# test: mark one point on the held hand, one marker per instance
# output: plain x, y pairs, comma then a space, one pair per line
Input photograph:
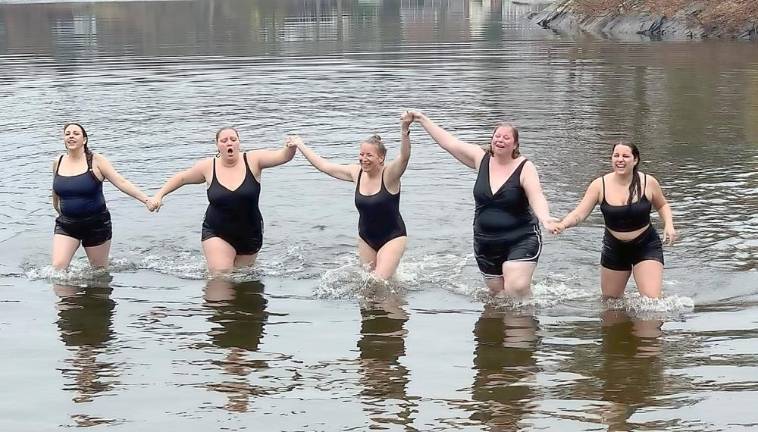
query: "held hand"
558, 228
154, 204
406, 119
550, 224
669, 235
293, 141
415, 116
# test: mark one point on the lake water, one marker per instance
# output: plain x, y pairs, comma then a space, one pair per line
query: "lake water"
304, 342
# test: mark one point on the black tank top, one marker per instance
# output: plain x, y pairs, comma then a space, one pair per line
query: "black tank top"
628, 217
379, 213
80, 195
234, 212
504, 213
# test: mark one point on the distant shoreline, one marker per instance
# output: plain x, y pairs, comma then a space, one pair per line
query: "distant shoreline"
655, 19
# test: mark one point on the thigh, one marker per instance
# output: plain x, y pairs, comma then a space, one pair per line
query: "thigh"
219, 255
388, 257
366, 255
64, 248
648, 275
98, 255
613, 282
517, 277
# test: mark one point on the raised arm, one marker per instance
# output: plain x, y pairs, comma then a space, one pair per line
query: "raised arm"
585, 207
664, 210
537, 201
109, 173
194, 175
272, 158
342, 172
56, 200
469, 154
395, 169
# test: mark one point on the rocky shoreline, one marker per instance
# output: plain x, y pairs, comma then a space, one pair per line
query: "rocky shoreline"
641, 20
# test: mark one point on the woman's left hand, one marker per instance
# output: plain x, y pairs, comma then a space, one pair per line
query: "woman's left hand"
669, 235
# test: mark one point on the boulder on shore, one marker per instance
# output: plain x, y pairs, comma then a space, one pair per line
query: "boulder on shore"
568, 16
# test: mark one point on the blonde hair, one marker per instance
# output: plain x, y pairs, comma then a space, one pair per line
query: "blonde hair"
376, 140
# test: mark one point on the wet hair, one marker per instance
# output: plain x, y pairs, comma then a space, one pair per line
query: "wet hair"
488, 147
218, 132
635, 188
376, 140
87, 151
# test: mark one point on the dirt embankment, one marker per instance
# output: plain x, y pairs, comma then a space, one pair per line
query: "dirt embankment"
669, 19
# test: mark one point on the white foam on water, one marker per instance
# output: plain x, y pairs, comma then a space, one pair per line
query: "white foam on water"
79, 272
181, 264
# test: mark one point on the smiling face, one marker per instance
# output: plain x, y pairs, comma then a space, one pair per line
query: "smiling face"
370, 157
74, 137
624, 158
504, 140
228, 143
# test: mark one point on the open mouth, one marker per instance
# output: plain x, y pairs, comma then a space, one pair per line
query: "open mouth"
230, 151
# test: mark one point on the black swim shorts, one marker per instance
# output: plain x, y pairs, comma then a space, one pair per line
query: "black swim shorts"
91, 230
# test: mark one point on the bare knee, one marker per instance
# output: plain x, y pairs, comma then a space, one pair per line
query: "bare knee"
60, 263
517, 286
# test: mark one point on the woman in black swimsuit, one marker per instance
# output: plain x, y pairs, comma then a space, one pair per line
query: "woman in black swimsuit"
83, 217
232, 231
510, 206
381, 230
630, 245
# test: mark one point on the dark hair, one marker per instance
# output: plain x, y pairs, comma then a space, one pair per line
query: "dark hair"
488, 147
376, 140
635, 188
218, 132
87, 151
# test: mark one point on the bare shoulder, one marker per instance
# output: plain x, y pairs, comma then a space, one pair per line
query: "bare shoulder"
650, 179
57, 160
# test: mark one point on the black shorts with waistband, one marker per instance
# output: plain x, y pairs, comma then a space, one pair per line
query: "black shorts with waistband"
623, 255
91, 230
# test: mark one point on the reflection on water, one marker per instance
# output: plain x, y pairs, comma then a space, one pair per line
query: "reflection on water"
85, 319
505, 367
239, 314
623, 373
383, 375
631, 372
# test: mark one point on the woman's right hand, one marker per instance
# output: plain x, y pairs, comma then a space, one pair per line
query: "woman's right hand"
558, 228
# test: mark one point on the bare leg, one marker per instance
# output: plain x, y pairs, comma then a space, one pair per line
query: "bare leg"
648, 275
495, 285
98, 255
219, 255
613, 282
388, 257
366, 255
64, 248
245, 260
517, 277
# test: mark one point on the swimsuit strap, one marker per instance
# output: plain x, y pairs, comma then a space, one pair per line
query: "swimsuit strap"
57, 167
244, 156
603, 179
